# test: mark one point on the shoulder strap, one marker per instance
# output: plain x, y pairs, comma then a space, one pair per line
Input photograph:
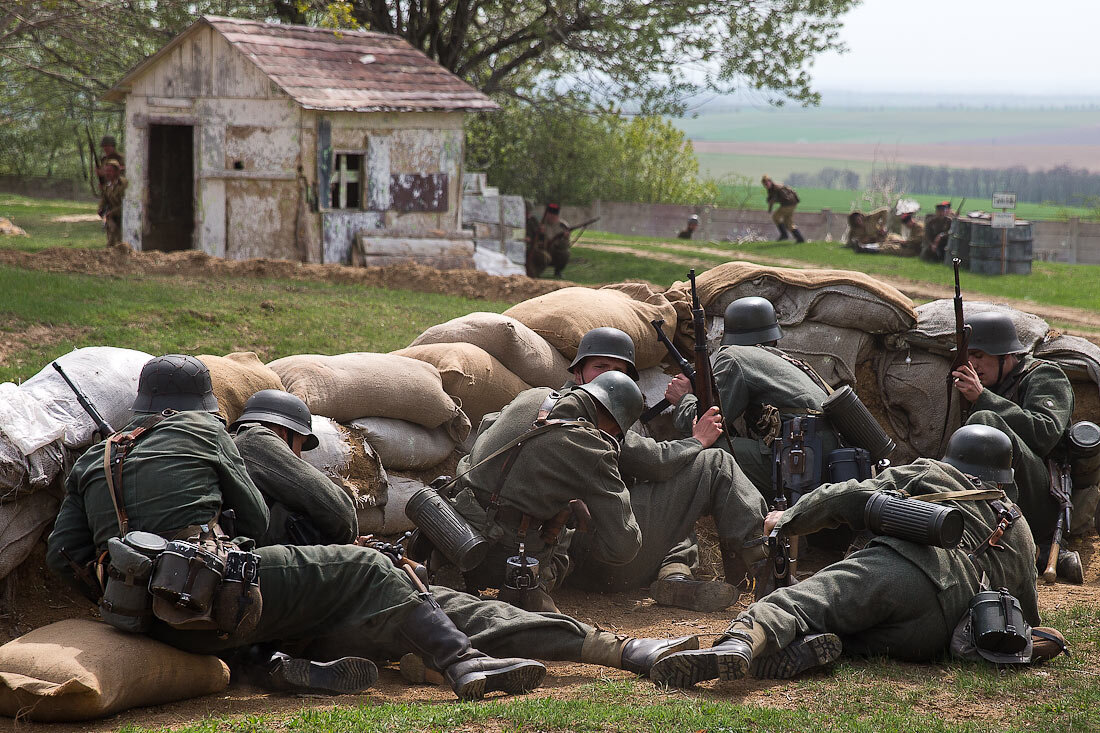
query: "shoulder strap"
806, 368
114, 453
964, 495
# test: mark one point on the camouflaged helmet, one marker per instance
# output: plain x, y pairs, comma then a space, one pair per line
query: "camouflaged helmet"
982, 451
175, 382
750, 321
994, 333
280, 408
607, 341
619, 395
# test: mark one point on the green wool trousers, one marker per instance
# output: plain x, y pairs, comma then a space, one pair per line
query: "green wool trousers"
875, 600
666, 511
336, 600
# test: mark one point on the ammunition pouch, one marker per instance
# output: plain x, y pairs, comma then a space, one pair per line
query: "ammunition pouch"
797, 455
206, 585
855, 423
849, 464
237, 600
126, 603
914, 520
446, 530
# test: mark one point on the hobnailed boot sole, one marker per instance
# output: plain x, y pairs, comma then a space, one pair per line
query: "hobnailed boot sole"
694, 595
345, 676
688, 668
514, 679
806, 653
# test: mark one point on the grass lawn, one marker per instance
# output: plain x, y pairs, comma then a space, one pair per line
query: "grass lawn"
37, 216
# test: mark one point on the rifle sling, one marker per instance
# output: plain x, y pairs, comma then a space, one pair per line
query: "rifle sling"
114, 453
964, 495
808, 370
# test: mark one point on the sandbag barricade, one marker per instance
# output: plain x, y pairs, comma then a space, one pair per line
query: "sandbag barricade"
564, 316
349, 386
476, 380
349, 461
522, 351
236, 377
935, 327
81, 669
22, 523
403, 445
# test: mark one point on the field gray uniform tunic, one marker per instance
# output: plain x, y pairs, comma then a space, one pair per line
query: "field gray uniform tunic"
896, 597
567, 462
672, 484
749, 377
332, 600
290, 485
1033, 405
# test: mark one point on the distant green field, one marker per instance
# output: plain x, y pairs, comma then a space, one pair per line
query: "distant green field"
886, 124
779, 167
816, 199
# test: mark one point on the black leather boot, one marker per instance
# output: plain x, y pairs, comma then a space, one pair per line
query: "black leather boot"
260, 666
639, 655
782, 233
798, 236
1069, 567
471, 674
729, 658
803, 654
683, 591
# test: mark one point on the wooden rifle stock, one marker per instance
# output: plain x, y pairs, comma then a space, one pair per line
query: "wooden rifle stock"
1060, 490
705, 392
962, 347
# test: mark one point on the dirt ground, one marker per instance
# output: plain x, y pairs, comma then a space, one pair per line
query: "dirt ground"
34, 598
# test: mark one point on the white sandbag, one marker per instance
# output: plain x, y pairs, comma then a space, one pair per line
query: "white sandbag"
403, 445
44, 465
935, 329
22, 523
349, 386
348, 461
25, 422
13, 468
108, 376
522, 351
401, 488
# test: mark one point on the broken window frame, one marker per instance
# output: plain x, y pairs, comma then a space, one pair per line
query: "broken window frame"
341, 177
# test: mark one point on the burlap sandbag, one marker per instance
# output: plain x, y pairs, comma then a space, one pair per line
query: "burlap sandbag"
837, 297
22, 523
348, 461
564, 316
236, 377
832, 351
348, 386
403, 445
478, 381
913, 388
522, 351
79, 669
935, 327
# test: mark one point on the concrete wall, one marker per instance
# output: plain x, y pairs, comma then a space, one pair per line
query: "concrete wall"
1073, 241
45, 187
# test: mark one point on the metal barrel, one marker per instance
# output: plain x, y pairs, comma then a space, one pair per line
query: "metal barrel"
856, 424
446, 529
958, 242
1084, 454
914, 520
985, 249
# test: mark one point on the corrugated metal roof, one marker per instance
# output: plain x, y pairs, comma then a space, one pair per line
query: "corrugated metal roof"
356, 71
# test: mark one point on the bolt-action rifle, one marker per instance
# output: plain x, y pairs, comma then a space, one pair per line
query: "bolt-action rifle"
1060, 487
684, 365
962, 348
100, 424
706, 390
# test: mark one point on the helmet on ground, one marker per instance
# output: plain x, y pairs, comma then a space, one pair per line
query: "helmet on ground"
750, 321
982, 451
607, 341
175, 382
280, 408
994, 333
619, 395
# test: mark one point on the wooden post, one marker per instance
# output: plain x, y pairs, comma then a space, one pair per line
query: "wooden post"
1004, 248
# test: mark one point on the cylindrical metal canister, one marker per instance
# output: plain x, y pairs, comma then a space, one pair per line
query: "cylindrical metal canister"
448, 530
856, 424
914, 520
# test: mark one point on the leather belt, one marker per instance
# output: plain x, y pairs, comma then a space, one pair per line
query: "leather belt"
506, 516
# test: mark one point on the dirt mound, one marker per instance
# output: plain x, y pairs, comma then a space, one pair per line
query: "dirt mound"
124, 261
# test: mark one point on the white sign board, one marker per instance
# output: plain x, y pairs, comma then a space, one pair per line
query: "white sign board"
1004, 200
1003, 220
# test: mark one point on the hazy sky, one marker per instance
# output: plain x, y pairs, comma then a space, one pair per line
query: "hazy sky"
1000, 46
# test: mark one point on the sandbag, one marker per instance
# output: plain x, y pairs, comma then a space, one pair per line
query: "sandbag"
79, 669
653, 382
563, 316
236, 377
349, 386
13, 469
1080, 360
22, 523
403, 445
833, 351
108, 376
836, 297
25, 422
935, 327
348, 460
480, 383
522, 351
913, 387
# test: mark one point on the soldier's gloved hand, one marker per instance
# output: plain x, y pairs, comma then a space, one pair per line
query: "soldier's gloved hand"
677, 388
967, 382
708, 428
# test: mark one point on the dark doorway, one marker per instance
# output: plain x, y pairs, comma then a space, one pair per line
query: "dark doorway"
170, 197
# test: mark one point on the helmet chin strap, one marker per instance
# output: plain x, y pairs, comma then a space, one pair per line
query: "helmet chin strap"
1000, 367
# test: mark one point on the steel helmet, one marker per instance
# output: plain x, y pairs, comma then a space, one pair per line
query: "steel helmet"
982, 451
175, 382
994, 333
619, 395
750, 321
281, 408
607, 341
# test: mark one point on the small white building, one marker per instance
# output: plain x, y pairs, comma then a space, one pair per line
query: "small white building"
248, 139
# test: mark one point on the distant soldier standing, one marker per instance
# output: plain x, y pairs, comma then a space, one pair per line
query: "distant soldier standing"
693, 224
110, 152
548, 242
110, 201
784, 215
936, 231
